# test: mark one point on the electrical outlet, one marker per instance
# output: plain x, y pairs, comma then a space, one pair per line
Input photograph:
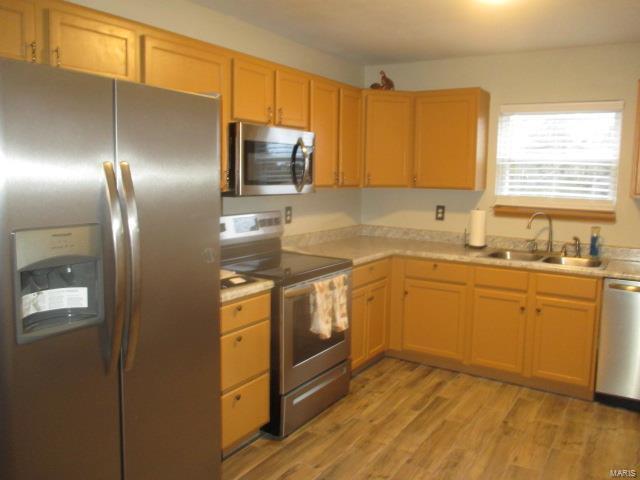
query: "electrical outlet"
288, 214
440, 212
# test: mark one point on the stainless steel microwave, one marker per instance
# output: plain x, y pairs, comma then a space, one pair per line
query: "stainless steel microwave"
265, 160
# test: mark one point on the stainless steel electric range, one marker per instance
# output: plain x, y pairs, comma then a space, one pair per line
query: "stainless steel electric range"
308, 373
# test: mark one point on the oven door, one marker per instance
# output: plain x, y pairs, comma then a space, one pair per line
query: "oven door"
272, 160
303, 354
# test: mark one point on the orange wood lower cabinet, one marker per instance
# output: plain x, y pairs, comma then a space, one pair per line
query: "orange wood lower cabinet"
563, 340
434, 315
370, 301
244, 410
498, 327
358, 327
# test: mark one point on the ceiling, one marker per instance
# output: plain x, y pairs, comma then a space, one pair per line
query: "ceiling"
387, 31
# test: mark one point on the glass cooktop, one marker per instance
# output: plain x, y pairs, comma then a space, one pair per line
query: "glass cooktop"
288, 266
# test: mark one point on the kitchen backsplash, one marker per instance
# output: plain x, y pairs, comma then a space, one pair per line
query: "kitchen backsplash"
493, 241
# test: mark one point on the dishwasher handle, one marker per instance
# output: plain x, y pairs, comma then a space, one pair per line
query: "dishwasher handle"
625, 287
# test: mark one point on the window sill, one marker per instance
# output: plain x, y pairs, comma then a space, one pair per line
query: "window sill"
555, 213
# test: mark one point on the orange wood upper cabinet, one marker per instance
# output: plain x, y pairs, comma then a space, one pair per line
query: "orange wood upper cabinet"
358, 327
434, 315
324, 123
350, 138
253, 91
377, 310
635, 185
199, 69
388, 139
498, 328
18, 30
451, 139
292, 99
563, 340
89, 45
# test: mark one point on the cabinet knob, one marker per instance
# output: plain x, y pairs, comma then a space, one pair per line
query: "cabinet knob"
239, 308
435, 265
370, 299
523, 309
538, 310
33, 46
239, 338
238, 397
406, 292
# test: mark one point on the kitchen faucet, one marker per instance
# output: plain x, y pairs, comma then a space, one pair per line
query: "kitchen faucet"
550, 239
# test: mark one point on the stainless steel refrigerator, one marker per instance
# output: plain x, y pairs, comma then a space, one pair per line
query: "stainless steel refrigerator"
109, 283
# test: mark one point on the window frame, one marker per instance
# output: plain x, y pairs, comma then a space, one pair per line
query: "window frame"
577, 208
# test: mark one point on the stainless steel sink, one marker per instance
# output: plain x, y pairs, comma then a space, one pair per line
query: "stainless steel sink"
516, 255
574, 261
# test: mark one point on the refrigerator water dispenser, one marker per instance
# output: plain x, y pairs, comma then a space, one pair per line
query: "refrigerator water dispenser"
58, 281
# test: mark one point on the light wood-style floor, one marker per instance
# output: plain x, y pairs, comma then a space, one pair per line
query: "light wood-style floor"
407, 421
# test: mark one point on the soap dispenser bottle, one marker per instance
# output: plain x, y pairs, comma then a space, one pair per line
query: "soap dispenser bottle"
594, 247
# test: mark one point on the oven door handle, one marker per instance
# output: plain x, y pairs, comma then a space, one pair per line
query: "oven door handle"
305, 154
298, 292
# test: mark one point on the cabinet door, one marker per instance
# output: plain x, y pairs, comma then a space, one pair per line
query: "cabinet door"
17, 30
498, 329
377, 318
292, 99
434, 318
349, 151
358, 326
388, 133
324, 123
92, 46
563, 340
446, 151
201, 70
252, 91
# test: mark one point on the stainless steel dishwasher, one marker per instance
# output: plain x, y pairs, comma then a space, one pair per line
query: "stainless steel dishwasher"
618, 375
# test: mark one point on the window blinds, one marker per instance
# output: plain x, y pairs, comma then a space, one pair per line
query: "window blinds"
561, 155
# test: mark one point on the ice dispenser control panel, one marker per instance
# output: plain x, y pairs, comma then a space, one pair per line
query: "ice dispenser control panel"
58, 280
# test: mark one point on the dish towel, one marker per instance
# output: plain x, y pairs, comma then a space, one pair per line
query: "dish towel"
340, 313
322, 309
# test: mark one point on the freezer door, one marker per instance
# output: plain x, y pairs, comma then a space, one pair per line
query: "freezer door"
167, 149
59, 395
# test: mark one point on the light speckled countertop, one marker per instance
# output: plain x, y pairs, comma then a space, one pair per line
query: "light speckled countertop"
363, 249
241, 291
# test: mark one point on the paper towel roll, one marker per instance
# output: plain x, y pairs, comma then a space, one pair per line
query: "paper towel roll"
477, 228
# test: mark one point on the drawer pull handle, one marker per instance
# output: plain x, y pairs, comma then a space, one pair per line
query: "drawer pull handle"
239, 338
625, 287
239, 308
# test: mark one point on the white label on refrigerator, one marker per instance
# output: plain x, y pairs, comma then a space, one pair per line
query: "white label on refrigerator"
54, 299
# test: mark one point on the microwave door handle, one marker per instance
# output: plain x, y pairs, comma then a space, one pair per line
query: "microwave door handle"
133, 233
117, 237
307, 165
299, 145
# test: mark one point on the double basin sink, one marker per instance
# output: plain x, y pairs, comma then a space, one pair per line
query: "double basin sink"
546, 258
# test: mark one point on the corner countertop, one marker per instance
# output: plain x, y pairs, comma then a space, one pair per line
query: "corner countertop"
364, 249
241, 291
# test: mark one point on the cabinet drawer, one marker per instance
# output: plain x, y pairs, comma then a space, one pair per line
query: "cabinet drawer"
245, 410
244, 354
501, 278
244, 312
566, 286
370, 272
440, 271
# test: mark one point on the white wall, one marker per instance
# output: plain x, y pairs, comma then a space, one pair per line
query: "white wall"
196, 21
323, 210
578, 74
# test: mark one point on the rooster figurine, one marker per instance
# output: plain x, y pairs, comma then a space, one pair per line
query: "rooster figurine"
385, 83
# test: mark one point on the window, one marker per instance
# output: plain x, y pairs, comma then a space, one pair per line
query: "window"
562, 155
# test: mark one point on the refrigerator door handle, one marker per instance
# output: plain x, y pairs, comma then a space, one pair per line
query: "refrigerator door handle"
133, 231
117, 236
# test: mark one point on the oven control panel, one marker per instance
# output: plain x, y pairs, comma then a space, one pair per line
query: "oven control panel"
250, 227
